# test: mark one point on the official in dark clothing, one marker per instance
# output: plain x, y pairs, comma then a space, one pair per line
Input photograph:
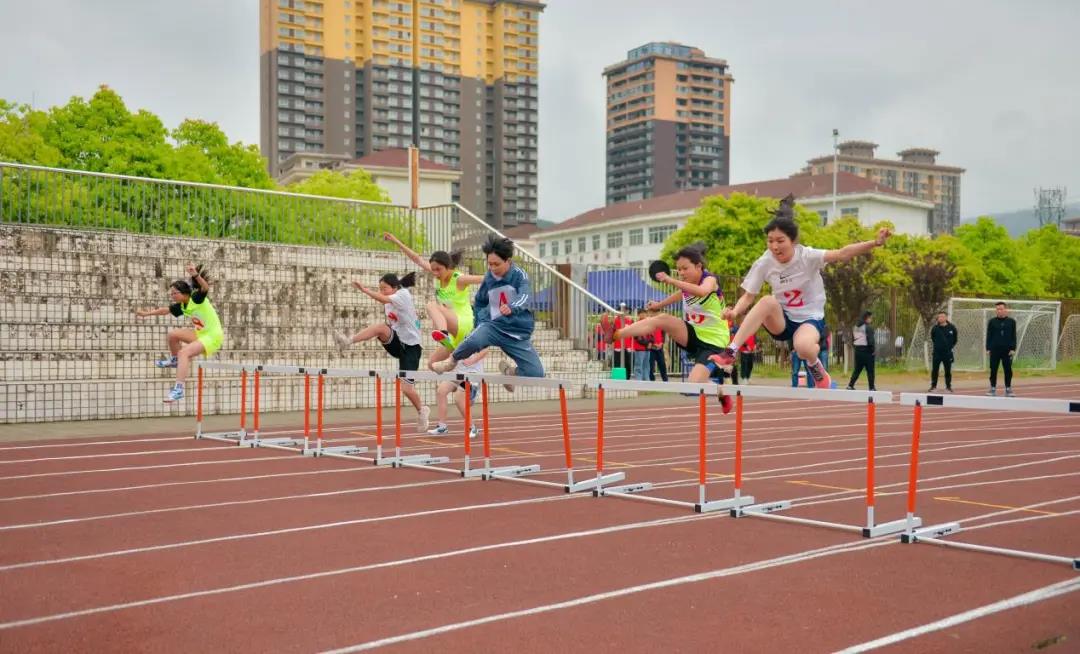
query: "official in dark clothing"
1001, 345
943, 335
863, 340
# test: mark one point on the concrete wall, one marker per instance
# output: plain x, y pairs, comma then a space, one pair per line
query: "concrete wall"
71, 347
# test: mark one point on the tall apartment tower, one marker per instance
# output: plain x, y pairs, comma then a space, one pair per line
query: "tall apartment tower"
916, 172
668, 122
456, 77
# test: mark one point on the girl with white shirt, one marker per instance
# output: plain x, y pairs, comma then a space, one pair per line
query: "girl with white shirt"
796, 308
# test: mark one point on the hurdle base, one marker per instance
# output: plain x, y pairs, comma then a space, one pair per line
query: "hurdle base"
768, 507
232, 437
510, 471
475, 472
886, 528
416, 460
933, 531
623, 490
285, 443
722, 505
340, 450
593, 483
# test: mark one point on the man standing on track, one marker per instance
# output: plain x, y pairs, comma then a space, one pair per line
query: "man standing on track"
943, 335
1001, 345
863, 340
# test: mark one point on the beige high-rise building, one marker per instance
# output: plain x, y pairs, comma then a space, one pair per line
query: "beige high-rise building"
668, 122
456, 77
915, 173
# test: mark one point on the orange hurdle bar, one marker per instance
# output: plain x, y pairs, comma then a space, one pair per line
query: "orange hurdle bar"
255, 404
487, 428
243, 403
319, 414
871, 419
702, 446
913, 469
378, 419
307, 409
397, 417
468, 421
599, 437
199, 404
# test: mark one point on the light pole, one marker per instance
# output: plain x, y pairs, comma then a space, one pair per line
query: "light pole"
835, 152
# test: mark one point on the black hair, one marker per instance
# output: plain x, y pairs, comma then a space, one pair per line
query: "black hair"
395, 282
695, 253
499, 245
1000, 304
183, 287
866, 314
784, 219
449, 260
186, 287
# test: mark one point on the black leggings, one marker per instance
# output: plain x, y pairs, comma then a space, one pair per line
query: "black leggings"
864, 359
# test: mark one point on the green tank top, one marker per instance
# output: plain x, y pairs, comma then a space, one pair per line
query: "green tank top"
706, 315
203, 316
453, 297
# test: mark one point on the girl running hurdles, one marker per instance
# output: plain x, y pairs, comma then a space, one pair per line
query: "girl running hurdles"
451, 312
189, 298
796, 308
473, 364
503, 317
703, 333
399, 335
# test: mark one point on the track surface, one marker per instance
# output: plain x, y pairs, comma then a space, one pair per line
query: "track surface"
161, 543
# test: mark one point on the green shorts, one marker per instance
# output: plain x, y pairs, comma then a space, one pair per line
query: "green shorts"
465, 327
211, 342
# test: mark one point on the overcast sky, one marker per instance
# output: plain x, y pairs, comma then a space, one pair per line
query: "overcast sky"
993, 85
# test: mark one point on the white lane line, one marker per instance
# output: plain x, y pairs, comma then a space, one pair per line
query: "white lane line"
110, 455
289, 530
360, 568
800, 557
282, 457
215, 505
1037, 595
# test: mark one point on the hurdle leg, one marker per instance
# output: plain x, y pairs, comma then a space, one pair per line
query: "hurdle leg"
873, 530
585, 484
736, 501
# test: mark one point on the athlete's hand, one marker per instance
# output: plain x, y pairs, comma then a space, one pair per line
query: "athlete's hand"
505, 309
359, 286
142, 313
191, 270
652, 305
663, 277
883, 234
729, 314
387, 236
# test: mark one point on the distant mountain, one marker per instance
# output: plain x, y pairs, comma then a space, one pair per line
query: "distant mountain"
545, 224
1020, 222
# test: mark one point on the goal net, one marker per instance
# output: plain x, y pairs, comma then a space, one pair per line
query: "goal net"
1069, 341
1036, 334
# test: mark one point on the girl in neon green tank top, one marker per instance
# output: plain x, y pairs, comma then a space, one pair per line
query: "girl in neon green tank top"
189, 299
451, 312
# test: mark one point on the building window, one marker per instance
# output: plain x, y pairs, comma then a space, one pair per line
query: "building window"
596, 242
567, 246
581, 244
636, 237
824, 215
614, 240
543, 250
850, 211
554, 248
657, 235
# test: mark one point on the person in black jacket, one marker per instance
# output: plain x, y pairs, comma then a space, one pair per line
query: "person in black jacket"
863, 340
1001, 345
943, 335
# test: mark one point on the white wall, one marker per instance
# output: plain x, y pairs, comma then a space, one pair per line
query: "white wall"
624, 255
432, 191
906, 218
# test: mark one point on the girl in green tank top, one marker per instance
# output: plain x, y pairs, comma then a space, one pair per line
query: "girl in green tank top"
451, 312
188, 299
702, 331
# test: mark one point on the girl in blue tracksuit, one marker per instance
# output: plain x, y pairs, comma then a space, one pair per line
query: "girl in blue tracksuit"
503, 317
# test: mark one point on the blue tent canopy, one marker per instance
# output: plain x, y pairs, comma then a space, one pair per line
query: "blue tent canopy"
611, 286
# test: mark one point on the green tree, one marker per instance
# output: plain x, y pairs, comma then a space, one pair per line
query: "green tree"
1055, 256
1009, 272
21, 140
203, 153
354, 185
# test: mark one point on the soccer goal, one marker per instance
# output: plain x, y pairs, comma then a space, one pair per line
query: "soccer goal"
1036, 332
1069, 342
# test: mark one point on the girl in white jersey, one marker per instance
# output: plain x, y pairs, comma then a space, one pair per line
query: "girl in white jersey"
796, 308
399, 335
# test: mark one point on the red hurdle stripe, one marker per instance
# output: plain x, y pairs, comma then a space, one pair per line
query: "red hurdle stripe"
198, 394
255, 404
378, 411
600, 432
738, 440
565, 428
397, 413
487, 427
319, 410
871, 413
468, 417
243, 399
702, 437
307, 405
913, 469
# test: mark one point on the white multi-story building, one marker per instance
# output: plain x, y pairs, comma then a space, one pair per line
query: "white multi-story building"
632, 234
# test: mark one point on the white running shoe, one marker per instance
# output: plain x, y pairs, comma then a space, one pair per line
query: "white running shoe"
444, 366
473, 434
440, 430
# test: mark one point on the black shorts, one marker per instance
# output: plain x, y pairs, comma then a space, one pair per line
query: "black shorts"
698, 350
408, 356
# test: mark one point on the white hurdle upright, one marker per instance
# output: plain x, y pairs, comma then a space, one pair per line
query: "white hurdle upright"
934, 534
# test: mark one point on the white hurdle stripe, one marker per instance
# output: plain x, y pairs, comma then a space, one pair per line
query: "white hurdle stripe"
774, 392
1033, 405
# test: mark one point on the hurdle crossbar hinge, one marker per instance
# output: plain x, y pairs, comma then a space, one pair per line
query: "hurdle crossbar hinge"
417, 460
510, 471
234, 437
723, 505
933, 531
767, 507
347, 450
886, 528
627, 489
594, 482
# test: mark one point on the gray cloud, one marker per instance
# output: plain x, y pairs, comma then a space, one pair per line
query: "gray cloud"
991, 84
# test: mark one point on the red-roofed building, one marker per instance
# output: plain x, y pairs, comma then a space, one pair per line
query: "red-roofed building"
633, 233
388, 168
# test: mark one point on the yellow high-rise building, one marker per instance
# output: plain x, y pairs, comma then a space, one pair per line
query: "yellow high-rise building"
456, 77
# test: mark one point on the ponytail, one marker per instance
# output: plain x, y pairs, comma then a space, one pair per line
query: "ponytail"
394, 282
